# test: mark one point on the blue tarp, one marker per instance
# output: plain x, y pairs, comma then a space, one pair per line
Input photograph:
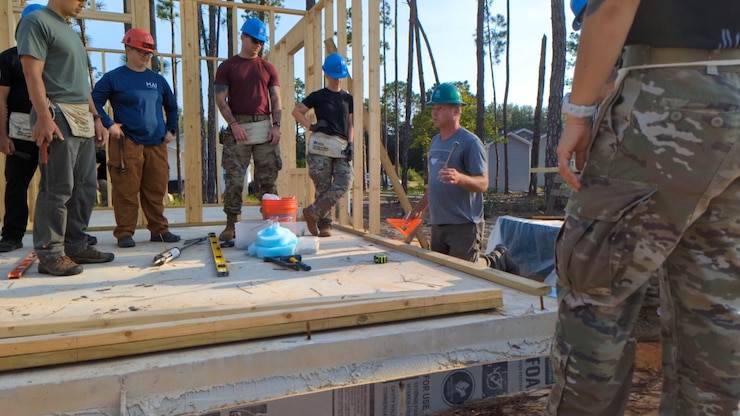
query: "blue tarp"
530, 242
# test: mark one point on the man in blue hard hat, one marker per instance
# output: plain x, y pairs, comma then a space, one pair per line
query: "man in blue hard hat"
248, 96
458, 176
658, 192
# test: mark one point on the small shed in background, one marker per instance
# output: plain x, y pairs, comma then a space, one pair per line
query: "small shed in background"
520, 158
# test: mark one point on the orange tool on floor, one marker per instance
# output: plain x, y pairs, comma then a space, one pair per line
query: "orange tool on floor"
403, 225
23, 265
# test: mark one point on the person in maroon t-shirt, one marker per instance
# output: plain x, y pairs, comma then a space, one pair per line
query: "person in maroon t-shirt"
248, 96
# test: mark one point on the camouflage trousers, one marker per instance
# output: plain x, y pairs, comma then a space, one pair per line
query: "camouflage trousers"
331, 178
235, 161
661, 190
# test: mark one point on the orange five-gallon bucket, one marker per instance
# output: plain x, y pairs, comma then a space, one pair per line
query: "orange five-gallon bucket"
281, 210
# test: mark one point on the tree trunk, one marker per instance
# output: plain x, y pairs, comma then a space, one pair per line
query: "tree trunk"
395, 98
506, 101
175, 92
409, 82
537, 120
210, 44
480, 113
417, 38
557, 79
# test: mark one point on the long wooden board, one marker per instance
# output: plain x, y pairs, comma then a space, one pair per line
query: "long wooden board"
39, 350
497, 276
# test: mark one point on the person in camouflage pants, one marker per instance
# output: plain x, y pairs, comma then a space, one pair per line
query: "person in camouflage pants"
330, 146
658, 196
247, 93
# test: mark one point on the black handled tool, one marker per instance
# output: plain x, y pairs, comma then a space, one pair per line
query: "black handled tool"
173, 253
292, 262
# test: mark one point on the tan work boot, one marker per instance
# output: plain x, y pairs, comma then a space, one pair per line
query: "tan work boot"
311, 221
59, 266
229, 232
324, 230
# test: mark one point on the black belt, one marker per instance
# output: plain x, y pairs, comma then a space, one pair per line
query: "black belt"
252, 118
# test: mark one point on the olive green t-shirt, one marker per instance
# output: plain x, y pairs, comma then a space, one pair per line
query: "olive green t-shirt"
47, 37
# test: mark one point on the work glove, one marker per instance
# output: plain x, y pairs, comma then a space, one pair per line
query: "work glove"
319, 124
349, 151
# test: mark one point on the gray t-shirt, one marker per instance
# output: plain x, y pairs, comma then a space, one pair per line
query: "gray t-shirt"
451, 204
47, 37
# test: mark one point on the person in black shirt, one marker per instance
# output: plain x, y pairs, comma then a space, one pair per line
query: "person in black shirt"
330, 147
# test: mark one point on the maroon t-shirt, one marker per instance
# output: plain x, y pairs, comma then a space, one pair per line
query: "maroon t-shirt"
248, 81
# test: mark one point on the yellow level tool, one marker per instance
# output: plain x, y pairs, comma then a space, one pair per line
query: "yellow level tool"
222, 270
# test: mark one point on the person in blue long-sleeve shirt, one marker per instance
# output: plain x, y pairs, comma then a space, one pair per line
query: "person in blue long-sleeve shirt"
137, 162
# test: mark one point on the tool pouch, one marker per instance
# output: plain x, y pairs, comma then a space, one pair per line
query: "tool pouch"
19, 126
79, 118
325, 145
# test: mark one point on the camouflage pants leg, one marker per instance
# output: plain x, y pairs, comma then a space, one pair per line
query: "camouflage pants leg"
659, 190
332, 178
235, 161
701, 314
267, 164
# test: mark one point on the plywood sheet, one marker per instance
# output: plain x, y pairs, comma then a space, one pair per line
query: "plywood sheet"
130, 307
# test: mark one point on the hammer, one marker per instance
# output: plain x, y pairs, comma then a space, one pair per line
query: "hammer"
122, 167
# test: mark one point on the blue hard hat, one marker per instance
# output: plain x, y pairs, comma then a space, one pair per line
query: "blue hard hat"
578, 7
335, 66
30, 9
255, 28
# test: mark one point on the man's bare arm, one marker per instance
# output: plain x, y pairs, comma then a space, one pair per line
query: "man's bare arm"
277, 108
221, 92
45, 128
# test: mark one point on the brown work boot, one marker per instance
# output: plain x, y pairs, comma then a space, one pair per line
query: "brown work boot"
324, 230
91, 255
647, 326
310, 221
229, 233
59, 266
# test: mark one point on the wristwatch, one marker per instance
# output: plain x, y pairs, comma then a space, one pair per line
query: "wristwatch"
276, 124
582, 111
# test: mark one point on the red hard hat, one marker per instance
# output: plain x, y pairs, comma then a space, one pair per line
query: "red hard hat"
139, 39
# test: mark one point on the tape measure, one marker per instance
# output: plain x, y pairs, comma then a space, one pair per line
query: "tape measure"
380, 258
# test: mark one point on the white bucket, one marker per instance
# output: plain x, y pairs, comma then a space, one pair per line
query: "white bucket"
246, 232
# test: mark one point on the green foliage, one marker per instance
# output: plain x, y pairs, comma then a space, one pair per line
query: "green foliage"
494, 34
571, 50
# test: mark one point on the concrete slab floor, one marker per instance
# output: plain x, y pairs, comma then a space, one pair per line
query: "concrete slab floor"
198, 379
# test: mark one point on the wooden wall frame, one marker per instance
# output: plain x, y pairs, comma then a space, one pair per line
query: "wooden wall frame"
315, 27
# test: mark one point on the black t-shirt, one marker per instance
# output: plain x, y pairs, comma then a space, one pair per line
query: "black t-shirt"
707, 24
11, 75
332, 107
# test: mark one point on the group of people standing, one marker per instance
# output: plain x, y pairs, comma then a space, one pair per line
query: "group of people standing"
51, 117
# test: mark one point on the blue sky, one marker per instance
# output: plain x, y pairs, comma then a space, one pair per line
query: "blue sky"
450, 26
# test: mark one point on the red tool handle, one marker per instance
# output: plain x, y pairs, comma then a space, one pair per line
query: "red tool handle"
44, 153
